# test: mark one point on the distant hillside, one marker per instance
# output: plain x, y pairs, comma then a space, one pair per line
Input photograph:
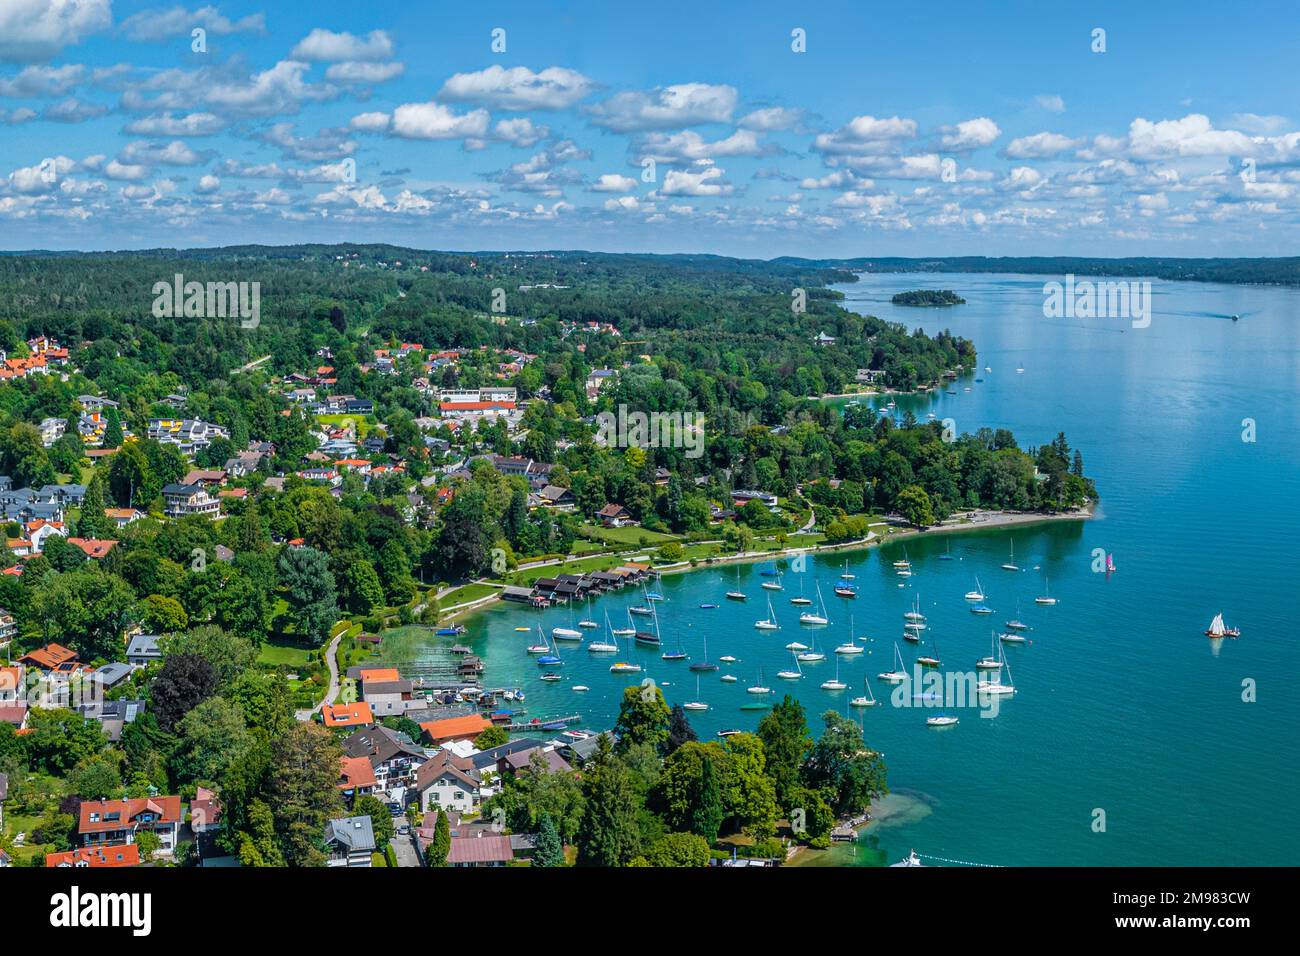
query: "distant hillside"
1284, 271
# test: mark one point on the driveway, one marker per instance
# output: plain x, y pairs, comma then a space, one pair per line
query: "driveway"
333, 691
404, 847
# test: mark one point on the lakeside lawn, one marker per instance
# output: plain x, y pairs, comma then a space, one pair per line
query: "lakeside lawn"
631, 536
466, 593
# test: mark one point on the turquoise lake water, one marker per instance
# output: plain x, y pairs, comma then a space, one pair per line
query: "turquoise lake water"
1123, 704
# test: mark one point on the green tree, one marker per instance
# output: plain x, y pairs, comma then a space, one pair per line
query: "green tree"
785, 736
708, 814
549, 851
435, 854
162, 615
642, 717
678, 850
609, 834
841, 765
303, 791
309, 588
493, 736
913, 504
93, 523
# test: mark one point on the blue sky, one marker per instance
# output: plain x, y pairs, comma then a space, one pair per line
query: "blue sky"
931, 129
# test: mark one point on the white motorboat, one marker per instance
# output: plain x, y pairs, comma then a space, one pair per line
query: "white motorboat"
940, 720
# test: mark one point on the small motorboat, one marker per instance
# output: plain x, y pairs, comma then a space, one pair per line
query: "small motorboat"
695, 705
623, 667
454, 631
729, 733
707, 607
925, 660
981, 609
940, 720
580, 688
728, 678
552, 677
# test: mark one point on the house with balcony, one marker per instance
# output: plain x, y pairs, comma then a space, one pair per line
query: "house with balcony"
104, 822
181, 500
350, 841
393, 756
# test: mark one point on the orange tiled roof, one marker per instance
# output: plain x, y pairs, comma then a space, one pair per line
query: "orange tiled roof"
50, 656
356, 772
127, 854
94, 547
471, 725
380, 674
348, 715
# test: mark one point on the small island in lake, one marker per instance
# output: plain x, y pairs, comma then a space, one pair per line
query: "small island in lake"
928, 297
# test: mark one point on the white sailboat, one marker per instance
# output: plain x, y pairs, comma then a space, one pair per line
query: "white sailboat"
760, 687
696, 704
940, 720
587, 623
543, 647
835, 684
625, 667
737, 595
787, 674
770, 623
899, 673
850, 647
566, 633
773, 585
818, 619
1010, 565
915, 614
869, 700
996, 687
992, 662
801, 601
622, 631
728, 678
977, 594
1046, 597
811, 655
846, 576
1218, 629
603, 647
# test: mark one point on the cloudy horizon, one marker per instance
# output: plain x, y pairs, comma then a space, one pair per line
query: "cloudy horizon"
764, 131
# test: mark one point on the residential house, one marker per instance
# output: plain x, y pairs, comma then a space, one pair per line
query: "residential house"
188, 434
338, 716
521, 760
556, 497
356, 778
392, 755
614, 516
207, 477
118, 821
448, 782
95, 548
483, 849
51, 430
387, 692
350, 841
94, 857
123, 516
180, 500
205, 811
143, 650
8, 627
113, 715
450, 729
52, 658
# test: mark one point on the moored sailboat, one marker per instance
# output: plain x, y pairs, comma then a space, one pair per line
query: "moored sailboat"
1218, 629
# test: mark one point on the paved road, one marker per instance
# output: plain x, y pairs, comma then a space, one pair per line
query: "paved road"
332, 663
404, 847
